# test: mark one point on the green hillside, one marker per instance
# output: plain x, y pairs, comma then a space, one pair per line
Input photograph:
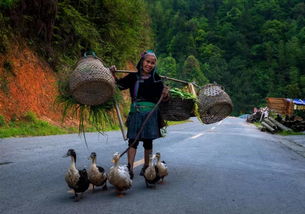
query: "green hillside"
254, 48
61, 30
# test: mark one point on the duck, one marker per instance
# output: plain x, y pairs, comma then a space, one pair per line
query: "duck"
151, 173
75, 178
161, 166
96, 174
119, 176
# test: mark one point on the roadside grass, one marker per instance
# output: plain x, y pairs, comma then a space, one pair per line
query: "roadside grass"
40, 128
171, 123
22, 129
287, 133
258, 124
30, 125
283, 133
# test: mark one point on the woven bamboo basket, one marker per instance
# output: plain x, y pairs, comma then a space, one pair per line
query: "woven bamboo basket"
91, 83
214, 104
177, 109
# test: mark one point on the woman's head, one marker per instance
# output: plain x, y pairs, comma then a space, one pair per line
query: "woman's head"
147, 62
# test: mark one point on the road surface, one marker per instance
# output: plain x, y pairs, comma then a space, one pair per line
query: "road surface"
228, 167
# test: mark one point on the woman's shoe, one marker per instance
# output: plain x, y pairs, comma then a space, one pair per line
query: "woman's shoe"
131, 174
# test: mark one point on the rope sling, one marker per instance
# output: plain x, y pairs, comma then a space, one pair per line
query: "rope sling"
143, 125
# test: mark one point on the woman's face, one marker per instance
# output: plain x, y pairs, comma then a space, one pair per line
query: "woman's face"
148, 64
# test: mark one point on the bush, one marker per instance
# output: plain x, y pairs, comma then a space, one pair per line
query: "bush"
8, 67
29, 117
2, 121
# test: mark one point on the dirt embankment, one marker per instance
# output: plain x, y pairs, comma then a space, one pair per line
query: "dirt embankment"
28, 84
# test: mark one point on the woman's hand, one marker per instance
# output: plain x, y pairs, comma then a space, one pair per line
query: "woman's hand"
165, 93
112, 69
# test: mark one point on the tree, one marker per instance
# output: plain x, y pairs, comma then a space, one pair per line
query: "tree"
168, 67
192, 72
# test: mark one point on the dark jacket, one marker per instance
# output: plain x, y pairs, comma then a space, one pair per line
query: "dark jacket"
149, 89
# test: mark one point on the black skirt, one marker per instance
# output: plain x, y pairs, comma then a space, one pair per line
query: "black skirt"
151, 129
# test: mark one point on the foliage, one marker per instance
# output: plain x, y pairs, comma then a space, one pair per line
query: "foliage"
21, 129
8, 67
29, 117
6, 3
2, 121
4, 85
253, 48
29, 125
192, 72
167, 66
176, 92
287, 133
115, 29
97, 116
61, 31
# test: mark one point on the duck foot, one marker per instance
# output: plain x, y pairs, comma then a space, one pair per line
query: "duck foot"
120, 194
162, 182
76, 198
105, 188
150, 186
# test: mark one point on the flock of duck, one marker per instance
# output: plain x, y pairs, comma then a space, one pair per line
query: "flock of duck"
118, 175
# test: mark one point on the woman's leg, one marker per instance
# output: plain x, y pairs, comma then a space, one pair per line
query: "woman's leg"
147, 152
147, 144
131, 154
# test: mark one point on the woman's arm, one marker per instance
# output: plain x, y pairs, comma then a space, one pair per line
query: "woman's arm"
122, 83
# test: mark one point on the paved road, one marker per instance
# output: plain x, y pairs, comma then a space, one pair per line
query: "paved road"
224, 168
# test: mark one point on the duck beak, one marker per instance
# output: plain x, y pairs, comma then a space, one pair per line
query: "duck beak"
65, 156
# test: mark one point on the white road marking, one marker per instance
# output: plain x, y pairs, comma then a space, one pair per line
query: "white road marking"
213, 127
196, 136
220, 122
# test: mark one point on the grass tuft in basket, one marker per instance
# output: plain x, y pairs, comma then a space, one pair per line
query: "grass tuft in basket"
97, 116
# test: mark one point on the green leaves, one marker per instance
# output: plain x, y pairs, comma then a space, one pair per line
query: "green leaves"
176, 92
254, 48
192, 71
7, 3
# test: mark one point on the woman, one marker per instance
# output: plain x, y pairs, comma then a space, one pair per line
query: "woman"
145, 89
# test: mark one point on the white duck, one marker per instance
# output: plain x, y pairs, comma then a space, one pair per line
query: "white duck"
96, 174
161, 166
151, 173
76, 179
119, 176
